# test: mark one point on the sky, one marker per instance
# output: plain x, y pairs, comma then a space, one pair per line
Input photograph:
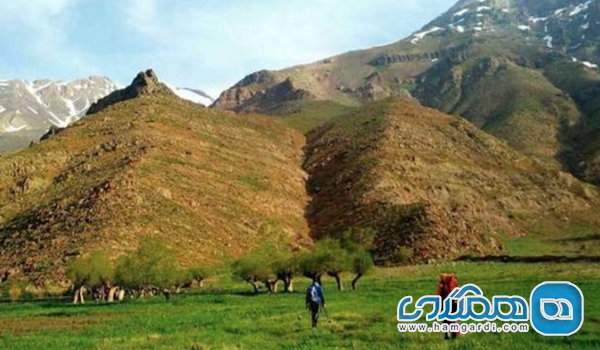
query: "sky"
204, 44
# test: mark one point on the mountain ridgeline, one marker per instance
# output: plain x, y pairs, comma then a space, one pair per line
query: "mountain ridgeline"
525, 71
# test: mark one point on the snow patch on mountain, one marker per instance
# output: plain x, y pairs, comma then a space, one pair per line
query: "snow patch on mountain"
461, 12
191, 95
419, 36
580, 8
12, 129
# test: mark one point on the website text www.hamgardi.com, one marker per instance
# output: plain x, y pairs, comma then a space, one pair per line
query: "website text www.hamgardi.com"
464, 328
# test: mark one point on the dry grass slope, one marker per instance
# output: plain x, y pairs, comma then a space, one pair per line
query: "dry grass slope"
433, 183
212, 184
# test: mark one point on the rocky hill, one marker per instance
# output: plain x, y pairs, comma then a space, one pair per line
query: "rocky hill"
435, 186
525, 71
145, 162
215, 185
29, 109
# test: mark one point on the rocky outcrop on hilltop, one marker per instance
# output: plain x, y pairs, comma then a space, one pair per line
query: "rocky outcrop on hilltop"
145, 83
248, 96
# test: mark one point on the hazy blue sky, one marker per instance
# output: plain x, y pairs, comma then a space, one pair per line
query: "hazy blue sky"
208, 44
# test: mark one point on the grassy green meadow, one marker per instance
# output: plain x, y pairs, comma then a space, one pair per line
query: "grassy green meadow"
224, 316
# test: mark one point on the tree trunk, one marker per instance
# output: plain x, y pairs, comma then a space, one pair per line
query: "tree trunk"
338, 280
254, 286
78, 296
288, 285
121, 295
271, 286
111, 294
355, 280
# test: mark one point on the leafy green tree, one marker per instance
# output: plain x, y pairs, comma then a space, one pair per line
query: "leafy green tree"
337, 260
362, 262
252, 269
359, 242
151, 268
313, 264
94, 272
285, 266
198, 275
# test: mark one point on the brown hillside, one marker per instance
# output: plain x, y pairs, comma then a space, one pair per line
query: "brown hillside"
210, 183
433, 183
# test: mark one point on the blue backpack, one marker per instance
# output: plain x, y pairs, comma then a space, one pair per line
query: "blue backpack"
315, 294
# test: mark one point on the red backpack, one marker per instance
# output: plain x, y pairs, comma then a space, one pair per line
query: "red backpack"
448, 282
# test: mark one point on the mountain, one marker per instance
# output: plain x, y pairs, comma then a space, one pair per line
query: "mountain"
525, 71
215, 185
29, 109
435, 187
144, 162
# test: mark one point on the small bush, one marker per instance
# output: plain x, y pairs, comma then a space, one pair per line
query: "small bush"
403, 255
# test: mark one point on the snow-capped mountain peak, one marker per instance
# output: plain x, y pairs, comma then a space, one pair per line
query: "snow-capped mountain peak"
29, 108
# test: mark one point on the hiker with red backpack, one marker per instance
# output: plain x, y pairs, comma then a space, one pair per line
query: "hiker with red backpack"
315, 301
448, 282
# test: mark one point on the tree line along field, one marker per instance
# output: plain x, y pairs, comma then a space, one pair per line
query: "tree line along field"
225, 314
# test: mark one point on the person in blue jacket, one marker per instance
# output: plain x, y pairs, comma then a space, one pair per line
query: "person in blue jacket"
315, 301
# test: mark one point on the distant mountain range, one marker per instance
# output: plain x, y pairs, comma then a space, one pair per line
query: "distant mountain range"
29, 109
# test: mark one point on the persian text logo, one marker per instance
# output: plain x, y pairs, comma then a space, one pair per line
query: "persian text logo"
460, 306
556, 308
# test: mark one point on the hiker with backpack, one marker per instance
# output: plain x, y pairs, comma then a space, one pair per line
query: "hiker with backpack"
315, 301
448, 282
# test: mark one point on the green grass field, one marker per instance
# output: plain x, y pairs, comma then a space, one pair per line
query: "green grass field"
223, 316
